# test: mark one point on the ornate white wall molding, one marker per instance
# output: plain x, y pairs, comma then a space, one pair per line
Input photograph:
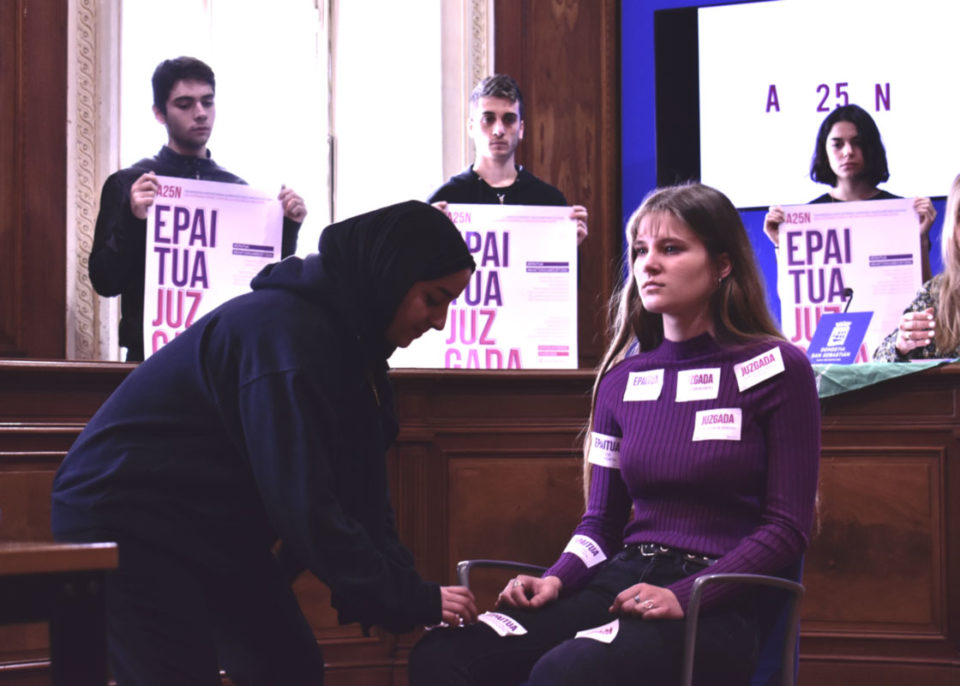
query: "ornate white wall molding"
467, 58
92, 152
480, 57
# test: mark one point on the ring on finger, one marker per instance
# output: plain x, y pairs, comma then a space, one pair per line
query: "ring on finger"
517, 583
636, 599
648, 605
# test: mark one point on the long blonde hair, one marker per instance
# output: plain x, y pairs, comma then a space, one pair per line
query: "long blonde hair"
739, 302
947, 336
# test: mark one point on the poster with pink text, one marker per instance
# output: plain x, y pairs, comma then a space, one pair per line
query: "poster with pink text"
519, 310
866, 252
205, 241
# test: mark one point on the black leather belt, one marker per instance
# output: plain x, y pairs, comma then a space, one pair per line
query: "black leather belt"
655, 549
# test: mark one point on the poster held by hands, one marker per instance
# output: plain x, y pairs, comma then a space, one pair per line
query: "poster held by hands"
519, 310
205, 241
871, 247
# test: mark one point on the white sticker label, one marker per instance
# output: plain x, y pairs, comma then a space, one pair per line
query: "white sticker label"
604, 450
604, 634
643, 386
718, 425
586, 549
698, 384
502, 624
760, 368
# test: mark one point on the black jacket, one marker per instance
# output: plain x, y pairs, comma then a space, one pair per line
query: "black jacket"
118, 256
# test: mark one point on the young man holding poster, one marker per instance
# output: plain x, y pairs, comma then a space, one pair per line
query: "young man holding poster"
183, 101
496, 128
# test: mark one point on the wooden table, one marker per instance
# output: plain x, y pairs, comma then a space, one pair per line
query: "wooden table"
61, 583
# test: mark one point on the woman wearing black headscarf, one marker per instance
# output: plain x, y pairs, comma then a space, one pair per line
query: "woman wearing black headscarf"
267, 419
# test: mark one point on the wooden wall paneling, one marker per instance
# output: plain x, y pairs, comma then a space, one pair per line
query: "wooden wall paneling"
880, 607
417, 468
51, 396
875, 673
45, 167
882, 526
11, 210
43, 408
487, 464
472, 456
33, 113
512, 505
565, 56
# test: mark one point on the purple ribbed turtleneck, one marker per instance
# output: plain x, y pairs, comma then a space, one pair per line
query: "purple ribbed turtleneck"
748, 501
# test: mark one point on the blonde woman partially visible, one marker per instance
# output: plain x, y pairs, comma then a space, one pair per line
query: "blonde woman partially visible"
930, 326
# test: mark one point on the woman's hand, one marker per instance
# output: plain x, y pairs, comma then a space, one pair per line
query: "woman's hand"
530, 591
926, 212
457, 605
579, 213
647, 601
771, 225
916, 331
293, 206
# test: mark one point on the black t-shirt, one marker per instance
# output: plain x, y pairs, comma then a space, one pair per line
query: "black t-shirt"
527, 189
826, 197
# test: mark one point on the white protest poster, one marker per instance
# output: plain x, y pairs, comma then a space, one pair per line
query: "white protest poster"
205, 241
519, 310
868, 251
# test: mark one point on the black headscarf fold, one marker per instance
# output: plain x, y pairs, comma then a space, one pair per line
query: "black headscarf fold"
381, 254
368, 263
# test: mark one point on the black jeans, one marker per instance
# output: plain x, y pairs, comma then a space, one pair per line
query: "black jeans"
172, 620
643, 652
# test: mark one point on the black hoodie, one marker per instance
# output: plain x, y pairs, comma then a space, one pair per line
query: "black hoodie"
270, 418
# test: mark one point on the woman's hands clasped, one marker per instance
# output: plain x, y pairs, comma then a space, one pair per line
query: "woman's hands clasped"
644, 600
916, 331
457, 605
647, 601
530, 591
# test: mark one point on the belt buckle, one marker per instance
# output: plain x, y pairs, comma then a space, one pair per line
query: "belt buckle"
652, 549
699, 559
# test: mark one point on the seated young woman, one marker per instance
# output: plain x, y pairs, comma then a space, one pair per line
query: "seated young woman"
930, 326
702, 456
850, 158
